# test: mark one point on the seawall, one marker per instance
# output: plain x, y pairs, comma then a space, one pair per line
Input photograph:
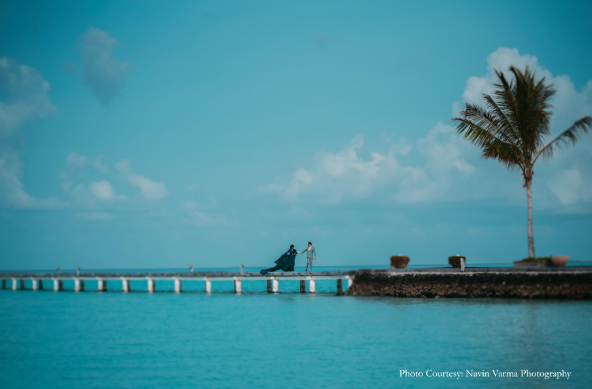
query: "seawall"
561, 283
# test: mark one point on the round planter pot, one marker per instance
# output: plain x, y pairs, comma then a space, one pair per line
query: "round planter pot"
399, 261
559, 260
454, 261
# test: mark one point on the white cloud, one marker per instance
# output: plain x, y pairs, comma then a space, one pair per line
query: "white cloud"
148, 188
569, 187
347, 175
102, 190
569, 105
12, 190
28, 94
101, 72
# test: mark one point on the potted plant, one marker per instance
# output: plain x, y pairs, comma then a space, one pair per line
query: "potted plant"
454, 261
533, 262
399, 261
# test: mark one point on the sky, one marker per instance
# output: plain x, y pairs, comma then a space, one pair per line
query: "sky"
138, 134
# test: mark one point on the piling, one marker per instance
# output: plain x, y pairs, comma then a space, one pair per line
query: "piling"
237, 285
14, 284
100, 285
269, 287
3, 283
275, 285
339, 286
33, 284
311, 285
208, 285
177, 285
302, 286
150, 285
125, 285
40, 284
76, 285
22, 284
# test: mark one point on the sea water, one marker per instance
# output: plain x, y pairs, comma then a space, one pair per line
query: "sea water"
285, 340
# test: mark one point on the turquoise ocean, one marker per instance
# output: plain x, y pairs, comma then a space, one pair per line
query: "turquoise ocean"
285, 340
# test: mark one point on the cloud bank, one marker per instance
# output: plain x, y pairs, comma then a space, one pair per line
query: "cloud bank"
101, 72
28, 95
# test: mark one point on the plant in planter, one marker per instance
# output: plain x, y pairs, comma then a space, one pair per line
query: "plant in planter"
454, 261
399, 261
533, 262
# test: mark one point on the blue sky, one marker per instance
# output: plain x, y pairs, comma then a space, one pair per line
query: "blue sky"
163, 134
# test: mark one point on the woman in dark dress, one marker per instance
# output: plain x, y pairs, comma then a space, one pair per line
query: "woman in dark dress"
286, 262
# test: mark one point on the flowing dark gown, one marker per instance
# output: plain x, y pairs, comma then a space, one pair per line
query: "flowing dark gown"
286, 262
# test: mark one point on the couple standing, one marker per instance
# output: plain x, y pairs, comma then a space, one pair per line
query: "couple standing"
287, 261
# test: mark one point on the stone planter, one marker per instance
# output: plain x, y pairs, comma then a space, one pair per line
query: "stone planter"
559, 260
454, 261
531, 263
399, 261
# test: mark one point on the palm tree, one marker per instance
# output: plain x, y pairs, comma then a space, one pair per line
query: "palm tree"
513, 125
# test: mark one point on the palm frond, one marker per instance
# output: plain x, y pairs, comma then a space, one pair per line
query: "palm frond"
571, 135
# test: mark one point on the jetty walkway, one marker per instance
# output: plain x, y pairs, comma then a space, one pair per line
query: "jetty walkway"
54, 281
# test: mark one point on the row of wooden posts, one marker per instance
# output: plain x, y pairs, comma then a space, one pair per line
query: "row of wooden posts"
272, 284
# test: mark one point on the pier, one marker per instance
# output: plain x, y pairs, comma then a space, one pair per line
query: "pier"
54, 281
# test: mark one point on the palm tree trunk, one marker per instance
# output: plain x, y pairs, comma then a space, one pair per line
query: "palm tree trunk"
530, 237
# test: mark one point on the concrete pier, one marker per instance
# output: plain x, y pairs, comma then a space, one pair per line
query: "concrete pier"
79, 280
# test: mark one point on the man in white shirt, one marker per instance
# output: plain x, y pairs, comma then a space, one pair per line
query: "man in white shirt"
310, 255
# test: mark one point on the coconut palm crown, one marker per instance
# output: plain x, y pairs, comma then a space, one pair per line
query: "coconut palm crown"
513, 126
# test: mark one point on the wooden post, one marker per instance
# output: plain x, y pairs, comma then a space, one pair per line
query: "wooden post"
302, 286
33, 284
208, 285
100, 285
339, 286
311, 285
125, 285
177, 285
76, 285
14, 284
237, 285
4, 283
275, 285
269, 286
82, 285
150, 285
40, 284
22, 284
